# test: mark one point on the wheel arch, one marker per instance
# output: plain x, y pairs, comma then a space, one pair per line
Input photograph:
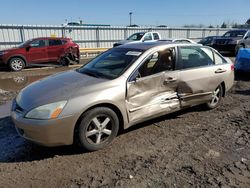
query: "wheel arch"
223, 85
17, 56
107, 105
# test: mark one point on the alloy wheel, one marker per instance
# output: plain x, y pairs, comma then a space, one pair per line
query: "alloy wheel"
99, 129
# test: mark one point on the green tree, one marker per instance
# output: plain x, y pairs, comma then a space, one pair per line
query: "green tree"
224, 25
248, 22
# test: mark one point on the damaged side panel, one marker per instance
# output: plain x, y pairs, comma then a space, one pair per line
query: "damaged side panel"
150, 96
197, 85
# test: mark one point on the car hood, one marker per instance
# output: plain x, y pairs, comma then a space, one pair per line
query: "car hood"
56, 88
9, 49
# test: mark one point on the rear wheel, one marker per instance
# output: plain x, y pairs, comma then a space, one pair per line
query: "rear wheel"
216, 98
16, 64
97, 129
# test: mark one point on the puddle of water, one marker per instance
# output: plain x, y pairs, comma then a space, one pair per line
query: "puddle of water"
5, 109
16, 83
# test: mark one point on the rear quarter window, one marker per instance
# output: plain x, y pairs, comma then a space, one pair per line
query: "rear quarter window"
156, 36
218, 59
55, 42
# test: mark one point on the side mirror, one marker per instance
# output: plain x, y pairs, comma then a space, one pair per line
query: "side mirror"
28, 47
135, 77
246, 37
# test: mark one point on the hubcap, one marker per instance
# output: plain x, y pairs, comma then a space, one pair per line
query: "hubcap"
215, 97
99, 129
17, 64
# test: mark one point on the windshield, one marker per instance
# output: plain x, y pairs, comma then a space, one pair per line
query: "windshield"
136, 36
111, 64
24, 44
234, 34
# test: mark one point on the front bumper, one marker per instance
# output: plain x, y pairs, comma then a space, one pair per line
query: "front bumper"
56, 132
2, 62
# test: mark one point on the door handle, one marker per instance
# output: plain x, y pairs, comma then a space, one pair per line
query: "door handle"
220, 70
169, 80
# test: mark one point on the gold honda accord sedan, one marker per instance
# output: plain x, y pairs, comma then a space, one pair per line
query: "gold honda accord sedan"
121, 87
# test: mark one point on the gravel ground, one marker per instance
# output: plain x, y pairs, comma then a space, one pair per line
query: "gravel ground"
191, 148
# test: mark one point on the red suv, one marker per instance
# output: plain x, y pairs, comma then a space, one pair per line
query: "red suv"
40, 50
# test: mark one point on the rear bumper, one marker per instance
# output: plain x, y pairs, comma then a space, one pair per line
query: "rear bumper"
54, 132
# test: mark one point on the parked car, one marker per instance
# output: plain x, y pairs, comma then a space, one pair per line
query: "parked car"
40, 51
242, 60
140, 37
122, 87
208, 41
229, 40
245, 42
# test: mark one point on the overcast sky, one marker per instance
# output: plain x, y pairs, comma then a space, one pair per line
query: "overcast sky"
116, 12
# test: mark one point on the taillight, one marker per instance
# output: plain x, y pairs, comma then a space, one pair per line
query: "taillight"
232, 67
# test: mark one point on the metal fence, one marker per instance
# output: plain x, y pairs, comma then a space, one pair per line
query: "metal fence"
94, 37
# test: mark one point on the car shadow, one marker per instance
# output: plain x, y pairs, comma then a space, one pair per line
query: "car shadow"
14, 148
174, 115
242, 76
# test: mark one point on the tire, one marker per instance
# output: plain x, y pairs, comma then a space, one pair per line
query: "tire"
16, 64
97, 129
64, 61
216, 98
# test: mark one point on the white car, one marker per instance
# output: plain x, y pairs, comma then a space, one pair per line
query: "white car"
140, 37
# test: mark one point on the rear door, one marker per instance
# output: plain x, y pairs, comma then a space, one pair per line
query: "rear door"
199, 75
37, 52
55, 49
151, 90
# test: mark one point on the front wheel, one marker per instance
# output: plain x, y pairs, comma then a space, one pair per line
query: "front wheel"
97, 129
216, 98
16, 64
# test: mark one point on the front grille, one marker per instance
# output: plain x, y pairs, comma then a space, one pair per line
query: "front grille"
222, 41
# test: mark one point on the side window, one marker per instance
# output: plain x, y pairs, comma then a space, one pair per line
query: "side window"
55, 42
192, 57
156, 36
37, 43
218, 59
157, 62
148, 36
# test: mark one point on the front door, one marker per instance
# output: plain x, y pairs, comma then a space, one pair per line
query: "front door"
151, 91
37, 51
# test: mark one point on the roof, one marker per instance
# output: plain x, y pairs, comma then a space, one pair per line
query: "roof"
148, 45
50, 38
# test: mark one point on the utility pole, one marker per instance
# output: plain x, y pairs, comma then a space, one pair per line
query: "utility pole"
130, 18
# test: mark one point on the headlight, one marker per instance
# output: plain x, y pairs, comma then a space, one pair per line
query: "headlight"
48, 111
3, 52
